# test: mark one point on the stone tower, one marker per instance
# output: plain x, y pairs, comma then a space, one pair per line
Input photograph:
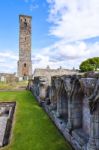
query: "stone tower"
25, 63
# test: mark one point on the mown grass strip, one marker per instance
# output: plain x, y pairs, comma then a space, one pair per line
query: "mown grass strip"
33, 130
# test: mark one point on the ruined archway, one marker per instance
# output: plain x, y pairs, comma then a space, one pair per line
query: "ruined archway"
62, 103
25, 71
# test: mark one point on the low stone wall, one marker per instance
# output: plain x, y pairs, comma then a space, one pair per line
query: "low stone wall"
72, 102
6, 117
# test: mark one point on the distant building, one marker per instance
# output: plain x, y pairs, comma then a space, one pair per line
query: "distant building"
48, 72
8, 77
24, 69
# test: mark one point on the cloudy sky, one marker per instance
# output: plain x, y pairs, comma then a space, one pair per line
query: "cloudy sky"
64, 32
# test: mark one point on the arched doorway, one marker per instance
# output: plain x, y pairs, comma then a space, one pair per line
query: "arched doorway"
76, 102
25, 71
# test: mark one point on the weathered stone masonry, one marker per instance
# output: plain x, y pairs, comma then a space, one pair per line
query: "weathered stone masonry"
6, 118
25, 62
72, 101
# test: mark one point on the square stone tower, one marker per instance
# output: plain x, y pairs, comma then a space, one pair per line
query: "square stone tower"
25, 63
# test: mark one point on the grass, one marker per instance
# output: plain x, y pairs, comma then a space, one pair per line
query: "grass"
32, 129
12, 85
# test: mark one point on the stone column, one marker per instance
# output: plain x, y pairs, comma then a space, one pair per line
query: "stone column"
53, 98
58, 89
43, 86
69, 123
42, 92
91, 144
74, 115
59, 109
96, 126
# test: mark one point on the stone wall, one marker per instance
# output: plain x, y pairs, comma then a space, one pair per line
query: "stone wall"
6, 118
72, 102
48, 72
8, 78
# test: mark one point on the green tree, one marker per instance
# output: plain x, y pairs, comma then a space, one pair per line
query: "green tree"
91, 64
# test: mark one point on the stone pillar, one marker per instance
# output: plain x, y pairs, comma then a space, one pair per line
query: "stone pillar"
74, 115
43, 87
96, 126
53, 98
91, 144
77, 114
69, 123
59, 110
58, 88
42, 92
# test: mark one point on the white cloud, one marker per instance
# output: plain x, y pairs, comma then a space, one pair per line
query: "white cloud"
56, 55
74, 19
8, 61
66, 55
9, 54
32, 4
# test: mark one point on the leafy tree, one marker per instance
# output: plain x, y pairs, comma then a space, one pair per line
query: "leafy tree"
91, 64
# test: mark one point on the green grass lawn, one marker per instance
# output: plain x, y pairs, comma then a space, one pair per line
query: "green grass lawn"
32, 129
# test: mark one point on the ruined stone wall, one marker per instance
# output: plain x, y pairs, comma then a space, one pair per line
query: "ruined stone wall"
6, 118
72, 102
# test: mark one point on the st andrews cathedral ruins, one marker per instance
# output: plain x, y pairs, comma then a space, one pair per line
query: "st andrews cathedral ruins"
69, 97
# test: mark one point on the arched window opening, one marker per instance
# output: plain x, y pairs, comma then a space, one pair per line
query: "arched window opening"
25, 25
25, 65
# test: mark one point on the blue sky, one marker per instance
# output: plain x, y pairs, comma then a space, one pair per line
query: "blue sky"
9, 27
64, 33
